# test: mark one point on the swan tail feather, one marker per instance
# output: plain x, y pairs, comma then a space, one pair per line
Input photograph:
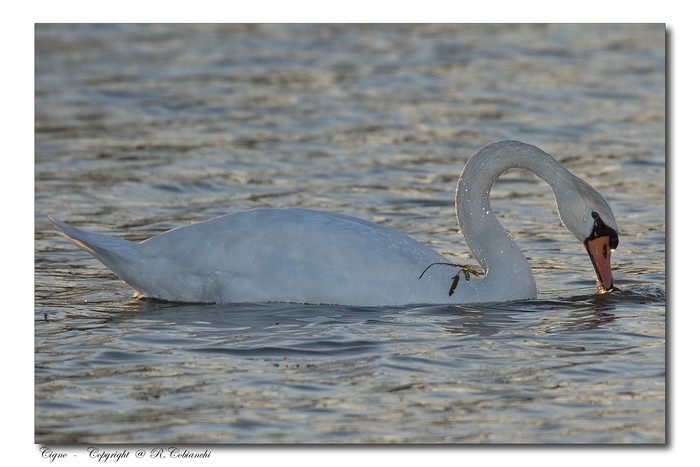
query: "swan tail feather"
119, 255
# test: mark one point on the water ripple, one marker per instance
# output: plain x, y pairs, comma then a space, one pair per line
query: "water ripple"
142, 128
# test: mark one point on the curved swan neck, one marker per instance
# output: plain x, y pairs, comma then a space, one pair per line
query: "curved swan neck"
490, 243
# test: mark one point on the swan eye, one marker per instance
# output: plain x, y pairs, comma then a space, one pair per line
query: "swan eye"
601, 229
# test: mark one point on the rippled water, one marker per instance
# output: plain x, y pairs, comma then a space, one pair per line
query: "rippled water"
143, 128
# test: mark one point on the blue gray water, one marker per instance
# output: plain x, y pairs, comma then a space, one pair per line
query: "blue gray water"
143, 128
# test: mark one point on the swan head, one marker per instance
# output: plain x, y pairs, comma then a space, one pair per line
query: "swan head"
584, 211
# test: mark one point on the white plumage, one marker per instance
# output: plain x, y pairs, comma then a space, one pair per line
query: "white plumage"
306, 256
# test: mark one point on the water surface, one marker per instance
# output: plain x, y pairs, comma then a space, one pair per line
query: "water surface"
143, 128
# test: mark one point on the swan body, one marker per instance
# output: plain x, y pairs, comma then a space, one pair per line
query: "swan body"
305, 256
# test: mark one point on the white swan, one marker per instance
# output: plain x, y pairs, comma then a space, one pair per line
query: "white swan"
304, 256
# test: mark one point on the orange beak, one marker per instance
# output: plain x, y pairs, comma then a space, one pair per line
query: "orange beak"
600, 252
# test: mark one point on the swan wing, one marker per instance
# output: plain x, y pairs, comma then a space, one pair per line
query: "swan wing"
295, 255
